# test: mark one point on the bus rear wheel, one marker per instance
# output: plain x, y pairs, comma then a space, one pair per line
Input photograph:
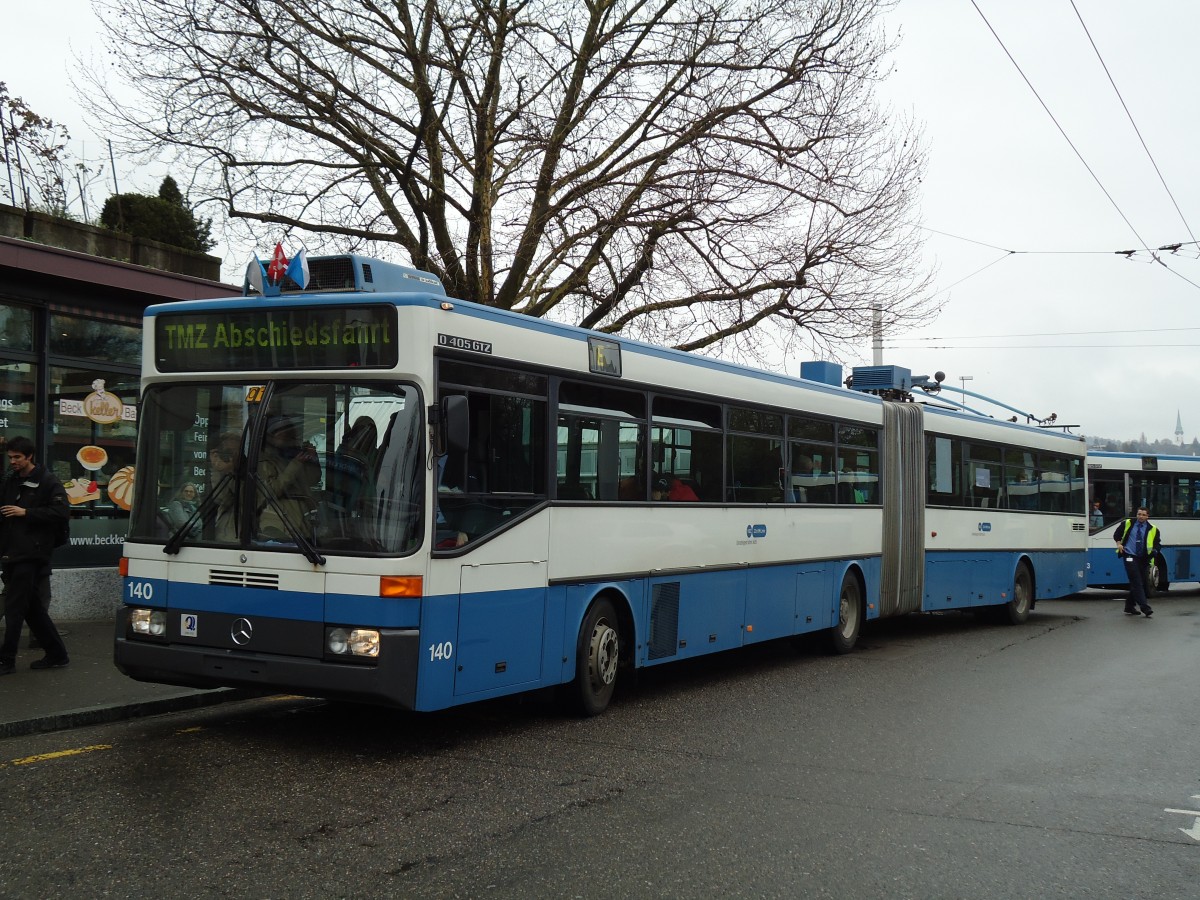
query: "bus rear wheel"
1016, 610
597, 659
844, 635
1159, 580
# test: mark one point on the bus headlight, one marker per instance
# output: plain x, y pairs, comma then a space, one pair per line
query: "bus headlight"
148, 621
364, 642
337, 641
352, 642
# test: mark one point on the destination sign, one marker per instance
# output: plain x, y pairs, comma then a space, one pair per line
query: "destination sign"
288, 338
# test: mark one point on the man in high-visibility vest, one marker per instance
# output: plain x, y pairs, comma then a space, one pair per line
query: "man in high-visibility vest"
1137, 540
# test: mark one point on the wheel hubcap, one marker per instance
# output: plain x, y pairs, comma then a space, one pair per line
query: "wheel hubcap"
846, 614
603, 654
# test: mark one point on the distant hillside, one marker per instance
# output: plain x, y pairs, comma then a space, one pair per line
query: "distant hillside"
1161, 446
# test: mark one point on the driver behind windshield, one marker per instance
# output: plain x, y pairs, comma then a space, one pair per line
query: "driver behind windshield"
287, 470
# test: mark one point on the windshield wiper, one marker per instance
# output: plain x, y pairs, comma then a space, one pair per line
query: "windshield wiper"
309, 551
181, 534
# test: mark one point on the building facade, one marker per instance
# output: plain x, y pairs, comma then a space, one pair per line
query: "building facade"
70, 347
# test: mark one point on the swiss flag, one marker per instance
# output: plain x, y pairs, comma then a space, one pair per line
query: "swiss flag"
278, 265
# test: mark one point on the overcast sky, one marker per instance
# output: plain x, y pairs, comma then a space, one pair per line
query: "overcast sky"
1061, 324
1065, 324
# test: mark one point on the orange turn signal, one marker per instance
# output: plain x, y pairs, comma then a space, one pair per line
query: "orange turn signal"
123, 567
400, 586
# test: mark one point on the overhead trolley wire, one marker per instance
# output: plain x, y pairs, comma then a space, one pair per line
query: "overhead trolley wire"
1171, 248
1061, 130
1136, 130
1071, 144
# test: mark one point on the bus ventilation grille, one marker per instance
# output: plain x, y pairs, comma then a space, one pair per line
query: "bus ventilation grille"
1077, 526
325, 273
267, 581
664, 620
881, 378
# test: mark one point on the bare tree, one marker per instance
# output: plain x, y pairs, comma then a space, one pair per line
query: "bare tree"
39, 170
35, 148
691, 171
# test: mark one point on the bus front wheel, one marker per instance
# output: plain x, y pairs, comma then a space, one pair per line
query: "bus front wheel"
844, 635
597, 658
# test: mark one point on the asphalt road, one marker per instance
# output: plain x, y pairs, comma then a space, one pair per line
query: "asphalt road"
945, 758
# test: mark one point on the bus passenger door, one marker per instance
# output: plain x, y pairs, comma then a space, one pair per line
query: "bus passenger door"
501, 617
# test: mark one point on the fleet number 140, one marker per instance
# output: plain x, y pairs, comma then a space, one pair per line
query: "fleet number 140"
443, 650
140, 590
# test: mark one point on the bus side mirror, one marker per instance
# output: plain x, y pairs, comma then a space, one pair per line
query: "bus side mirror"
456, 431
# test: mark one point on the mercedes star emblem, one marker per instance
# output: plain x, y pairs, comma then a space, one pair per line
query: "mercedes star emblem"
241, 631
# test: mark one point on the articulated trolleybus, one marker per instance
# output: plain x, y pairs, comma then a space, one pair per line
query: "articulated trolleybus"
1169, 487
418, 501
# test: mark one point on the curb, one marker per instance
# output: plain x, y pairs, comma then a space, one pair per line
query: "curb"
100, 715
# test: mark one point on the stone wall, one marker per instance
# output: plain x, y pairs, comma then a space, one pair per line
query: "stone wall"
67, 235
85, 595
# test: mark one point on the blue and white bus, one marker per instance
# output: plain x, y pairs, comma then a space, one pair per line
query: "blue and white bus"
1169, 487
418, 501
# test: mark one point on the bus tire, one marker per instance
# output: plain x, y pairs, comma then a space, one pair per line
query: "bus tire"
1016, 610
597, 659
844, 635
1160, 581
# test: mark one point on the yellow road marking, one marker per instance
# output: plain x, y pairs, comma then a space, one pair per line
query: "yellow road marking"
58, 754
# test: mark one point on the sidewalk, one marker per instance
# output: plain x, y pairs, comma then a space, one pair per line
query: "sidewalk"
90, 690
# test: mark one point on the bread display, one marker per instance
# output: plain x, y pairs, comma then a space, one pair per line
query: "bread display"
120, 487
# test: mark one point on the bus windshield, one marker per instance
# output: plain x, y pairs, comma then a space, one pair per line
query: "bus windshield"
330, 467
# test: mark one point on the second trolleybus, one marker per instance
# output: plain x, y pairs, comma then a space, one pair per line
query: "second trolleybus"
414, 500
1168, 486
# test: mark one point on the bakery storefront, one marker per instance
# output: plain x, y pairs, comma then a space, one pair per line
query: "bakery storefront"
70, 345
78, 402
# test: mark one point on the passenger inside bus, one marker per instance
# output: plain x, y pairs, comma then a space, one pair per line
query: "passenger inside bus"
222, 464
183, 507
352, 470
573, 490
668, 487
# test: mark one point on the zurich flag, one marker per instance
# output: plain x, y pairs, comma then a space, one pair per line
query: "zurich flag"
297, 269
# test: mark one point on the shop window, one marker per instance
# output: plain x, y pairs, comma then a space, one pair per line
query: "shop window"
92, 419
16, 329
18, 384
93, 339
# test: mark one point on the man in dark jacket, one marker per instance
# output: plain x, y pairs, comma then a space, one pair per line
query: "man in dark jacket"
1137, 542
33, 504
